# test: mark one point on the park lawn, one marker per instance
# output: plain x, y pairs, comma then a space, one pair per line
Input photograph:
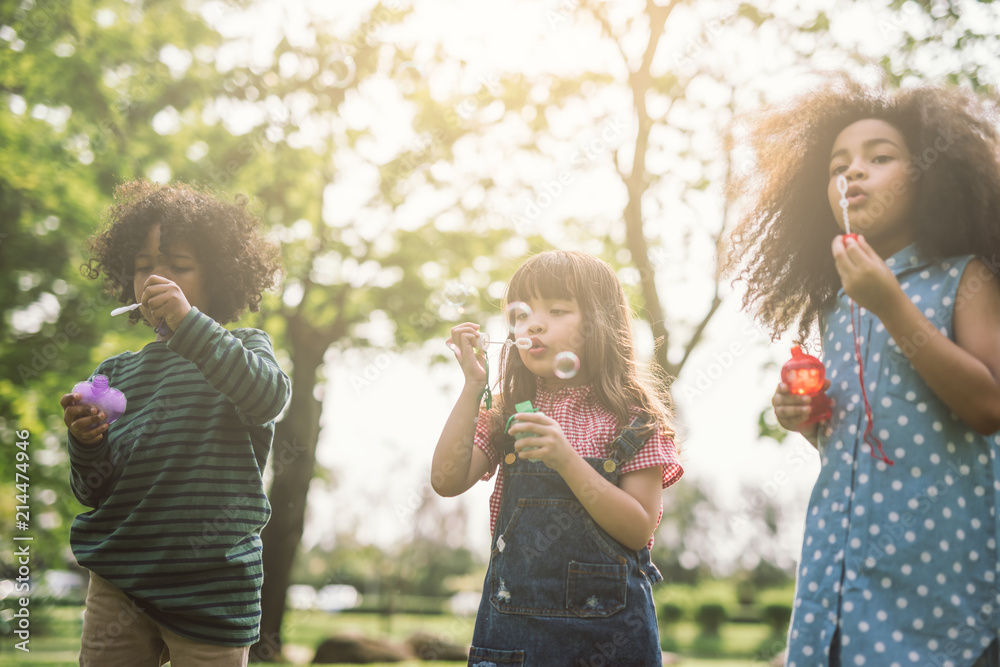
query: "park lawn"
59, 645
737, 638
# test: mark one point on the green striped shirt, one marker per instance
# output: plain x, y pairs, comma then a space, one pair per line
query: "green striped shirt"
175, 485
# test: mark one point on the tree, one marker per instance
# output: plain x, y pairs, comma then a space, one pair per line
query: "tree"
345, 272
81, 84
372, 228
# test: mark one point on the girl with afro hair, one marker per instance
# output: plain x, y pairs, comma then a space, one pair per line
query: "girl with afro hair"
173, 486
899, 564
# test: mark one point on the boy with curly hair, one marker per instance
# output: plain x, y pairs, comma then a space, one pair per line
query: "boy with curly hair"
172, 539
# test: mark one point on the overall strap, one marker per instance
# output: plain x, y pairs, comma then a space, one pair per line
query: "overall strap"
627, 444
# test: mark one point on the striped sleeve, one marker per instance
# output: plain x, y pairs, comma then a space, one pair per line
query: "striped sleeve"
241, 368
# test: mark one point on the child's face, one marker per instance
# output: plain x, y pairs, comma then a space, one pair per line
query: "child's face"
178, 263
874, 157
554, 326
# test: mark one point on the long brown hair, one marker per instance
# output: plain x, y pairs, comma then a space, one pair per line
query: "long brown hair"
781, 245
607, 349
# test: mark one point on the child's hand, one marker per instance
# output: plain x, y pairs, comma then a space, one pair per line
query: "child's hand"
462, 341
553, 449
163, 299
85, 421
792, 410
866, 277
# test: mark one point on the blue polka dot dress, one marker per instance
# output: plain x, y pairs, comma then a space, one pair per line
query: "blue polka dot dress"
899, 560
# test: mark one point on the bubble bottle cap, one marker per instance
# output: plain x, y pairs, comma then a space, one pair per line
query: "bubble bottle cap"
524, 406
98, 392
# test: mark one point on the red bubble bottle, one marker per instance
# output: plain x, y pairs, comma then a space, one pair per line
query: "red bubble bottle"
99, 393
804, 374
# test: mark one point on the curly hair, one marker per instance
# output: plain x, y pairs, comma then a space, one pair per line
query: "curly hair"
607, 348
781, 244
238, 261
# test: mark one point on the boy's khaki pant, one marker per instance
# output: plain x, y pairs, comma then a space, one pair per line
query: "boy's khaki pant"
117, 634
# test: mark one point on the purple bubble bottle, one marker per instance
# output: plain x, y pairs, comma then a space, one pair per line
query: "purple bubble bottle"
105, 397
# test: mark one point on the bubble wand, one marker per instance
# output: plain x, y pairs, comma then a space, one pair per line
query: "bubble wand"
481, 344
161, 328
124, 309
842, 189
869, 436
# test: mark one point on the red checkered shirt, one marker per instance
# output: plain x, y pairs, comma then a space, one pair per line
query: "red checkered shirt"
590, 429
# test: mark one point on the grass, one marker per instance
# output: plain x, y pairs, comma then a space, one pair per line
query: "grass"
59, 644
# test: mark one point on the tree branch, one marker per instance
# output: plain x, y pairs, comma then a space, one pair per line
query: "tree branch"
636, 184
675, 369
695, 339
607, 29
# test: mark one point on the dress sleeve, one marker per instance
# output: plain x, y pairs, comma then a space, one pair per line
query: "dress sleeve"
242, 368
659, 451
482, 438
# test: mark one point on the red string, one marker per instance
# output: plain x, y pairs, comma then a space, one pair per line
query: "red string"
869, 436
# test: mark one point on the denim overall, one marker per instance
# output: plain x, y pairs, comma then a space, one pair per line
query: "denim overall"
559, 590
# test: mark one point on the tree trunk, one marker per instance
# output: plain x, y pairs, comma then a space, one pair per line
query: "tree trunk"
293, 460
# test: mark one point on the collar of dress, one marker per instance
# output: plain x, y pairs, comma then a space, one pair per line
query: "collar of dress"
578, 392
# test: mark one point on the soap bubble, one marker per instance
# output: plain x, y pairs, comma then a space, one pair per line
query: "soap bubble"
340, 71
516, 312
567, 365
458, 294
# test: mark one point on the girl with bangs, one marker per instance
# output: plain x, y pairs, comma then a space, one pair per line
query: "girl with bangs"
579, 481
